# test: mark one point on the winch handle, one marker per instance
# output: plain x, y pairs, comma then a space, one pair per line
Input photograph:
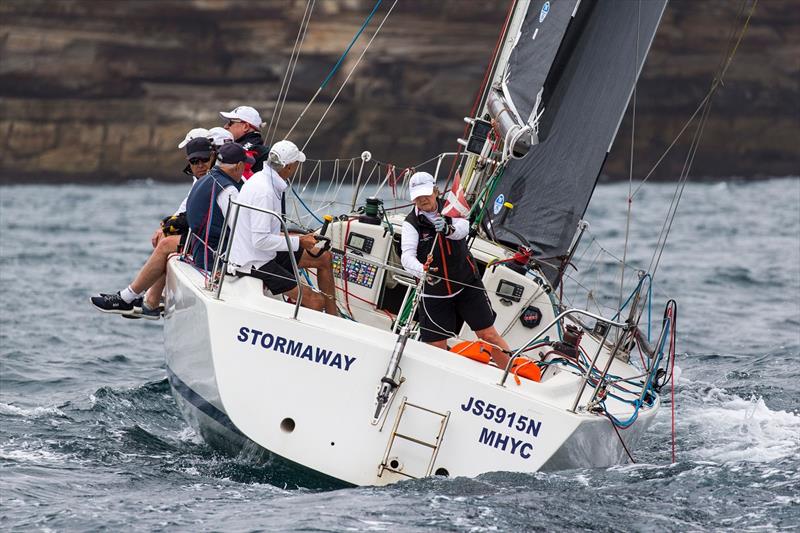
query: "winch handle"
321, 237
327, 221
325, 247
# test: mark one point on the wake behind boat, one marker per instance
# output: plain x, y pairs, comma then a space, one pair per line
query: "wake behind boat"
360, 400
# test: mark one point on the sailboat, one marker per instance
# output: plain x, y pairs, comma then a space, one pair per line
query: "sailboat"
359, 400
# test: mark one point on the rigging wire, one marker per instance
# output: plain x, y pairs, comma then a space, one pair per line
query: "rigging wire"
280, 100
344, 83
482, 89
630, 164
712, 90
694, 145
337, 65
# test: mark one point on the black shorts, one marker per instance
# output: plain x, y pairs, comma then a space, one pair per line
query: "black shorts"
442, 318
277, 275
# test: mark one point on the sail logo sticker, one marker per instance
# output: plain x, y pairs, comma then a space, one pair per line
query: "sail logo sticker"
543, 13
498, 203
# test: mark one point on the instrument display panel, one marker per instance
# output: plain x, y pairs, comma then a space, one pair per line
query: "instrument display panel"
358, 272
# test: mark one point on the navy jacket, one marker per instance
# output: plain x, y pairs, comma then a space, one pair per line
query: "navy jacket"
204, 216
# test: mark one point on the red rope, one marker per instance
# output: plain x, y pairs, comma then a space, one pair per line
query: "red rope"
672, 373
344, 267
373, 304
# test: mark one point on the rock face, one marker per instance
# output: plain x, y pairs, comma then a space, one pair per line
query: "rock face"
105, 90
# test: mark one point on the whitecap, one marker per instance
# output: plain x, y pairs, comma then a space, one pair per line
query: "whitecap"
36, 412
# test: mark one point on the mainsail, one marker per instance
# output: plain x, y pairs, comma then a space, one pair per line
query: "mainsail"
579, 93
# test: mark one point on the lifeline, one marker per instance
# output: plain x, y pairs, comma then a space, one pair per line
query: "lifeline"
295, 348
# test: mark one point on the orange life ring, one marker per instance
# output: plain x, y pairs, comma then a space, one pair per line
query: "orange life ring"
481, 352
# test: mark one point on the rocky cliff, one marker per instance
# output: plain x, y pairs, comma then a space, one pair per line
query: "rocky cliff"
101, 90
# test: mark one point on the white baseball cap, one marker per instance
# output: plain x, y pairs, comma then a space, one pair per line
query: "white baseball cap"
420, 184
286, 152
193, 134
219, 136
246, 114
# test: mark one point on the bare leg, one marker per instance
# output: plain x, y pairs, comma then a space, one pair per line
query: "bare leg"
311, 299
324, 279
153, 296
491, 336
156, 265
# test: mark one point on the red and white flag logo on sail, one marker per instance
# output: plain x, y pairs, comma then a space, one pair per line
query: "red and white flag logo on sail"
455, 204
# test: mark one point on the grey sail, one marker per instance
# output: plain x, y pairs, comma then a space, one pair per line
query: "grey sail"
534, 52
585, 93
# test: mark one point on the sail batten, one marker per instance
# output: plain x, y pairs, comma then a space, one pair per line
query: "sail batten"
579, 77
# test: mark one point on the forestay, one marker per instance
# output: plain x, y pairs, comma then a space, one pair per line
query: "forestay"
585, 93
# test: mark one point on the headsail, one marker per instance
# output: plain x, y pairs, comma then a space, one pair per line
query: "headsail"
586, 90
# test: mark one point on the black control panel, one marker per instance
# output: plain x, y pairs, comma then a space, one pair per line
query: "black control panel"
478, 135
508, 291
362, 243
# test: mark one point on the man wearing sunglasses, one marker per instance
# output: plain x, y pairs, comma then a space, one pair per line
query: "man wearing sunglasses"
244, 123
132, 301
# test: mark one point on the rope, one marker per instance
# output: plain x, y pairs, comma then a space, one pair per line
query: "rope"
310, 212
336, 67
344, 83
624, 446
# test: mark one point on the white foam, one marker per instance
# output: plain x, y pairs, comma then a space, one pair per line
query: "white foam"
31, 456
733, 429
36, 412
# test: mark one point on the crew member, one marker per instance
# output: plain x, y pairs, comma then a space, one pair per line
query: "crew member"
208, 202
453, 293
166, 240
259, 248
244, 123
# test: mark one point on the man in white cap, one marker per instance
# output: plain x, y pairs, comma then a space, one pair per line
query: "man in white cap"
454, 292
259, 247
219, 136
194, 133
244, 123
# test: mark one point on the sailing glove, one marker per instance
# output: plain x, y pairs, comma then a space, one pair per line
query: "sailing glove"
439, 223
442, 224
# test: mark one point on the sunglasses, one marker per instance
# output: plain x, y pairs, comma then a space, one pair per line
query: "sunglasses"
233, 121
198, 160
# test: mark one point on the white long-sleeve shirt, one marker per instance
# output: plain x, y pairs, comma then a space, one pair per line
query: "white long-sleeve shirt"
410, 241
258, 236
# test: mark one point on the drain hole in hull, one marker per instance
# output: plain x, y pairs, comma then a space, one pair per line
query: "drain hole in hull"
442, 472
287, 425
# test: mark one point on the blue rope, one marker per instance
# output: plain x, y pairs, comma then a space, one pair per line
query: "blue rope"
619, 423
637, 289
308, 278
306, 207
355, 37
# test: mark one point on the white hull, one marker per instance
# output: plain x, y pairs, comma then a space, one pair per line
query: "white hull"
244, 371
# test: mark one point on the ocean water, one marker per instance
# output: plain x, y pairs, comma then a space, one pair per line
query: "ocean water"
91, 439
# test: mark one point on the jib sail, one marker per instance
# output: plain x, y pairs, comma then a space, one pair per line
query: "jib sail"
579, 102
